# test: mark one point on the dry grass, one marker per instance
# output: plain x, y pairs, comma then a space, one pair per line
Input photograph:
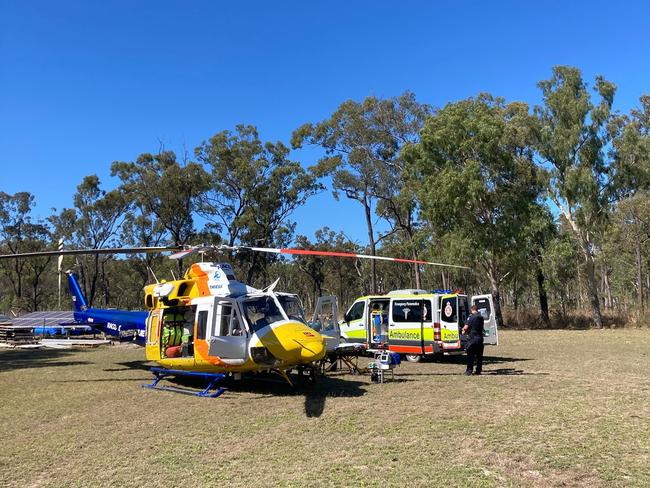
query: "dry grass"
557, 408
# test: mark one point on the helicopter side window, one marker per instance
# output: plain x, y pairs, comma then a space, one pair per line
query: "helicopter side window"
292, 308
261, 312
229, 324
226, 318
202, 324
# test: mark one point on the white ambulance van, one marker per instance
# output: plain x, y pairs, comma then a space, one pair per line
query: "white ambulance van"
418, 322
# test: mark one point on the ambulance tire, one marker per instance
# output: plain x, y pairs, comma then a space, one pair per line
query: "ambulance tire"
413, 358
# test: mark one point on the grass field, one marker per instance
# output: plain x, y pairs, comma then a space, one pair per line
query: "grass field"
555, 408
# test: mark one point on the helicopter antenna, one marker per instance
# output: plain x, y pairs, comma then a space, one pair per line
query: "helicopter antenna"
173, 275
153, 274
272, 286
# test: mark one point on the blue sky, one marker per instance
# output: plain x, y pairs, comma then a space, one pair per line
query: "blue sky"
85, 83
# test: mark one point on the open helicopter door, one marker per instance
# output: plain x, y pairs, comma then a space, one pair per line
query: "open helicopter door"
152, 346
485, 306
228, 338
326, 321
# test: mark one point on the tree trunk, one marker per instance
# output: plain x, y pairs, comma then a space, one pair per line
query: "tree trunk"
639, 277
496, 295
592, 289
543, 298
373, 250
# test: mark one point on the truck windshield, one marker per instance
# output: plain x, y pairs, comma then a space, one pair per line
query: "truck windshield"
261, 312
292, 308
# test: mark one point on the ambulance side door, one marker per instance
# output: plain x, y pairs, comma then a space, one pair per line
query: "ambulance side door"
449, 329
485, 305
406, 329
353, 324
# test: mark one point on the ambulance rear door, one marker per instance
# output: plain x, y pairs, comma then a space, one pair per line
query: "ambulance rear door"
485, 305
449, 327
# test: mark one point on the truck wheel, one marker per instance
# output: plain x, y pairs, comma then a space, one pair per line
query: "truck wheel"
413, 358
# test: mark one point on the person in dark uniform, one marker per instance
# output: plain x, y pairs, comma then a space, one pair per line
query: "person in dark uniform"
474, 347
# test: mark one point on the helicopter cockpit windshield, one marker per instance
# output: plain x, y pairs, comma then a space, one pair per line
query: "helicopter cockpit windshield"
292, 308
261, 311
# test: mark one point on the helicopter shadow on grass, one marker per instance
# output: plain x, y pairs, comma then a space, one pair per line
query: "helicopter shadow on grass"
129, 365
270, 385
14, 359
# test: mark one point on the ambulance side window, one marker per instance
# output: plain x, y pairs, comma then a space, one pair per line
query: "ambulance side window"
448, 310
483, 304
356, 312
408, 311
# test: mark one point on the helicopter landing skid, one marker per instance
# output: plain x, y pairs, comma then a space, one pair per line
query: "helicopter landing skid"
211, 378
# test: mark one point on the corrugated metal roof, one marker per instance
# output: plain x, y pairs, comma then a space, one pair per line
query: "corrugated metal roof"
44, 319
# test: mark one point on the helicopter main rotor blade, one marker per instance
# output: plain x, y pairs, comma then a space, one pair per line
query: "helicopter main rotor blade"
75, 252
309, 252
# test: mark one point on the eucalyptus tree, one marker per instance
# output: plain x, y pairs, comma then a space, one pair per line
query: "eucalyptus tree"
252, 190
19, 233
362, 142
578, 139
166, 193
478, 184
93, 223
628, 240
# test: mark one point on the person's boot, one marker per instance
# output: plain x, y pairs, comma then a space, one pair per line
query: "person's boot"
468, 372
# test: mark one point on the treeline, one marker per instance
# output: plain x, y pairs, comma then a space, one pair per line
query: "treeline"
549, 205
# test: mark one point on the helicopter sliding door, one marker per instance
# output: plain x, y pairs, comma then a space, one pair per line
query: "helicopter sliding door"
229, 338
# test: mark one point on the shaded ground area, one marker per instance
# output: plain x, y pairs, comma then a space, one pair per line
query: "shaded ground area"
555, 408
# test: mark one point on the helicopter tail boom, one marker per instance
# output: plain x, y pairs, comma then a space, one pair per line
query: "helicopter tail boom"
79, 301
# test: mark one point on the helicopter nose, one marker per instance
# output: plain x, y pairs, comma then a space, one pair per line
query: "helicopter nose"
311, 350
295, 343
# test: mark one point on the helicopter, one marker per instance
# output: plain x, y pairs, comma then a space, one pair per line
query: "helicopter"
208, 322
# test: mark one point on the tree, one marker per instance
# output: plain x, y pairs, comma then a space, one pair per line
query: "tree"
93, 223
362, 143
18, 234
166, 189
253, 189
572, 138
630, 234
478, 184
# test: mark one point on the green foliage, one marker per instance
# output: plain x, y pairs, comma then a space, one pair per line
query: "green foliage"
362, 142
252, 190
165, 188
19, 234
479, 185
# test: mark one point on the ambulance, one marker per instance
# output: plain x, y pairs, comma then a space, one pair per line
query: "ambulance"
416, 323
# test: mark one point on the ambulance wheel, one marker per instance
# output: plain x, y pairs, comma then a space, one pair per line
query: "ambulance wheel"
413, 358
